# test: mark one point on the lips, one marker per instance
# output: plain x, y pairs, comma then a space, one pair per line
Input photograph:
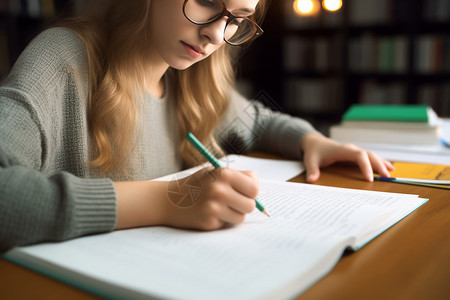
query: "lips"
193, 51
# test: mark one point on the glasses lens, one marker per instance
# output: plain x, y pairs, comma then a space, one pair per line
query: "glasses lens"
203, 11
239, 31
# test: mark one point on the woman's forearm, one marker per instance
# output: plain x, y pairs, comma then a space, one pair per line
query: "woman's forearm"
141, 203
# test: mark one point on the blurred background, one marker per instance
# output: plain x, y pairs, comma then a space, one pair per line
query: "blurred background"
316, 57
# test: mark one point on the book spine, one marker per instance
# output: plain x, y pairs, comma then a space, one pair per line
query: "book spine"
381, 136
383, 54
4, 54
48, 8
34, 8
372, 92
369, 12
306, 95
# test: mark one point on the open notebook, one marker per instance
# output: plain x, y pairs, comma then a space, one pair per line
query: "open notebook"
264, 258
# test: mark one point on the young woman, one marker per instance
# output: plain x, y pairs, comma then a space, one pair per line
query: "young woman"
96, 107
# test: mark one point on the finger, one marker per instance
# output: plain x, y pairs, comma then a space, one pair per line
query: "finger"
228, 190
364, 164
232, 216
378, 164
312, 168
313, 176
350, 152
225, 208
243, 182
389, 165
239, 202
252, 174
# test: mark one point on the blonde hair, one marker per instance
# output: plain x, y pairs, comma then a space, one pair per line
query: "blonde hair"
115, 35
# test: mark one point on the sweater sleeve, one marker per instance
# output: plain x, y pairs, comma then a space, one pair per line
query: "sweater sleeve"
251, 126
39, 199
35, 208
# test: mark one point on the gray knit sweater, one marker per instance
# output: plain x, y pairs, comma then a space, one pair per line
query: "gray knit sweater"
47, 190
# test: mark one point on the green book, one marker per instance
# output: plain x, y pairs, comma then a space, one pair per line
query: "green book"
389, 113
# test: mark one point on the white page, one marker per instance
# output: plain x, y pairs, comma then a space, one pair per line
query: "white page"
437, 154
272, 169
431, 154
445, 124
271, 258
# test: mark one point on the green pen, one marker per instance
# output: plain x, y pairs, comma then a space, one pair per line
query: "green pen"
203, 151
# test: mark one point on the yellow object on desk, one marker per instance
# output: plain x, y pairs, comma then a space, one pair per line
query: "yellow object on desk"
420, 174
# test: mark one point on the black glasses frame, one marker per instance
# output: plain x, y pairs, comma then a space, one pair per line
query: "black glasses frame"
231, 17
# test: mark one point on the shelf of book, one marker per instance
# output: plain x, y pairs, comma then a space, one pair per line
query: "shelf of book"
371, 51
21, 21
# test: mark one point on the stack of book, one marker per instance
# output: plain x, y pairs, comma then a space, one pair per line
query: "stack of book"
388, 124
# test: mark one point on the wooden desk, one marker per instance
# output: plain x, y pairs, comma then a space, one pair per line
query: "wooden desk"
411, 260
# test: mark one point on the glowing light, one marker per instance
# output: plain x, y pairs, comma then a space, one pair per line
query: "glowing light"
306, 7
332, 5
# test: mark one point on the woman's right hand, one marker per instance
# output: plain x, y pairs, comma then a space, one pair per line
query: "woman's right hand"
206, 200
211, 198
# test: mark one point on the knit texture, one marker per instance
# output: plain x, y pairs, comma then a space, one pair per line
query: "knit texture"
48, 192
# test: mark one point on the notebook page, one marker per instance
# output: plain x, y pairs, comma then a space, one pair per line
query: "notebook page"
303, 239
271, 169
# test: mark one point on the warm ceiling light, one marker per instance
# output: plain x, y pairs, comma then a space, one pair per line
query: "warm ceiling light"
306, 7
332, 5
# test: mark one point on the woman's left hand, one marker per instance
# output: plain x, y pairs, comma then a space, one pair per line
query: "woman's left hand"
320, 151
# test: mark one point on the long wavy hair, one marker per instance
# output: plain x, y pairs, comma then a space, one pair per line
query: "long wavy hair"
115, 33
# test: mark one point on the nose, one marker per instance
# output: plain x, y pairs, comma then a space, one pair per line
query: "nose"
215, 31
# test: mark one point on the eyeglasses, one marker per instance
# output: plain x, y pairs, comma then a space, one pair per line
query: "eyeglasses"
238, 29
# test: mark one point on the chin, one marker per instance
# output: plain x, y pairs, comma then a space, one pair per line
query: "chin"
183, 63
182, 67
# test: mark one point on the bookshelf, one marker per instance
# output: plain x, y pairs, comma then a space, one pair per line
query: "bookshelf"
370, 51
21, 21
